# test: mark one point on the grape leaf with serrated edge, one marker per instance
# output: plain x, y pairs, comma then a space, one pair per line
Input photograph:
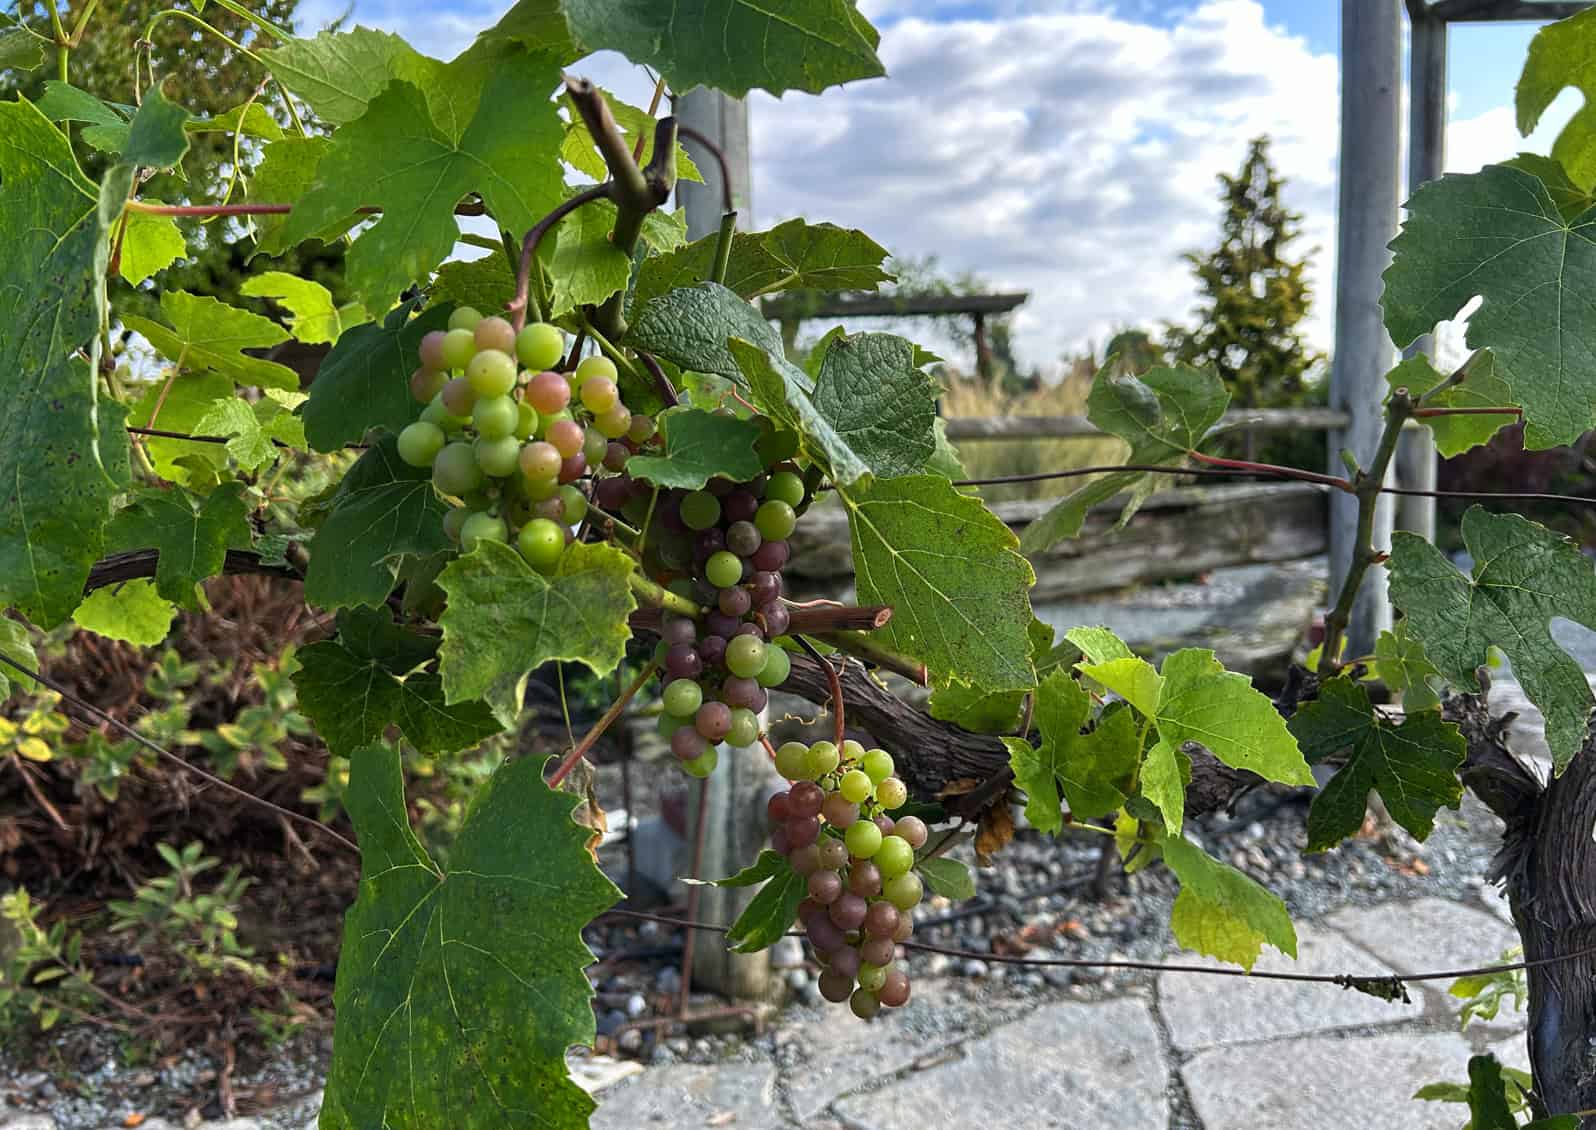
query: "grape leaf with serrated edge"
313, 316
781, 390
254, 429
1221, 912
690, 327
1524, 576
181, 407
1093, 772
698, 447
364, 382
1483, 389
1400, 663
1561, 56
191, 535
770, 912
878, 403
791, 255
131, 611
461, 987
206, 334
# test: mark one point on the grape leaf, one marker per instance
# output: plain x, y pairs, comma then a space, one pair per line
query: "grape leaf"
949, 878
191, 535
365, 381
482, 284
354, 687
416, 168
1099, 644
1561, 56
975, 708
1571, 199
57, 459
690, 326
505, 619
579, 151
765, 865
182, 402
1524, 575
206, 334
1164, 784
16, 645
340, 73
700, 445
1221, 912
1400, 663
255, 428
132, 612
251, 119
1483, 389
156, 138
1132, 678
382, 509
781, 390
313, 316
1199, 701
1497, 235
792, 255
804, 45
150, 243
949, 568
20, 49
461, 987
585, 265
770, 912
1162, 414
1413, 766
878, 403
105, 128
286, 171
1093, 772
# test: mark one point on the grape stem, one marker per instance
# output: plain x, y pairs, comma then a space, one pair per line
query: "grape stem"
836, 687
727, 203
604, 723
662, 383
723, 247
871, 650
658, 596
529, 249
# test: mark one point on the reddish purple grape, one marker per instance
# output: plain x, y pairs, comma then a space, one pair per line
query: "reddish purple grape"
895, 990
806, 860
682, 662
881, 920
712, 651
735, 602
743, 539
912, 829
825, 887
848, 912
839, 812
835, 987
720, 487
771, 556
846, 962
833, 852
551, 508
611, 494
878, 951
687, 743
747, 628
864, 878
801, 831
573, 468
718, 623
679, 629
743, 692
615, 456
776, 617
824, 934
765, 587
710, 541
884, 822
778, 837
808, 908
713, 720
777, 808
805, 798
739, 506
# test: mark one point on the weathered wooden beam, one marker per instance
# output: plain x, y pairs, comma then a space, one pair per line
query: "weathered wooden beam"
1482, 11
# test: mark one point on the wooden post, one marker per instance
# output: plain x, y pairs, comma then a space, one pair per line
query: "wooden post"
734, 801
983, 352
1415, 456
1371, 85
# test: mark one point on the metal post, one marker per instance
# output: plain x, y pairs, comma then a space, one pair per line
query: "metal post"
733, 803
1415, 456
1371, 86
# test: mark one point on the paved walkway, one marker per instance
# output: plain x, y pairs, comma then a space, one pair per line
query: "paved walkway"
1186, 1053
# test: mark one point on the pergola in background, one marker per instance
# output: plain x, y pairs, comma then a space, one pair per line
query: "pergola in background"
1367, 219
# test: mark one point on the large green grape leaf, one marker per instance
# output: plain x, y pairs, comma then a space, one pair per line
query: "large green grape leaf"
286, 171
356, 686
1483, 388
1524, 575
699, 446
365, 381
1221, 912
690, 326
1199, 701
156, 137
104, 126
804, 45
383, 509
789, 256
57, 464
1571, 199
179, 407
206, 334
313, 316
504, 618
781, 391
340, 73
192, 535
585, 266
461, 987
1162, 414
1498, 235
133, 612
418, 168
878, 402
1413, 766
948, 566
1093, 772
1561, 55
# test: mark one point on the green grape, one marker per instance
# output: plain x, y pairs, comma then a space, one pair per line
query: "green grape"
482, 527
775, 520
594, 447
599, 395
700, 511
892, 793
872, 977
682, 697
541, 542
894, 856
745, 656
597, 365
526, 420
856, 786
453, 520
792, 761
822, 755
863, 839
668, 723
495, 417
864, 1004
540, 346
455, 470
575, 504
439, 416
776, 669
540, 490
540, 461
744, 728
904, 891
852, 751
724, 570
498, 457
702, 765
877, 763
459, 346
464, 318
784, 486
615, 423
420, 443
491, 373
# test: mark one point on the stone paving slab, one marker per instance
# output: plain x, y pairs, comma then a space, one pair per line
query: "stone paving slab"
1067, 1065
1206, 1011
1328, 1083
690, 1097
1429, 933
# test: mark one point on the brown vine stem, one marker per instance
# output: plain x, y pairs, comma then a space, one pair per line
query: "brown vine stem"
861, 645
806, 620
662, 383
604, 723
465, 209
127, 731
1272, 469
529, 249
836, 688
727, 204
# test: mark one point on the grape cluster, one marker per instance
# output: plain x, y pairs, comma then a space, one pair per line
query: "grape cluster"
511, 443
833, 826
723, 546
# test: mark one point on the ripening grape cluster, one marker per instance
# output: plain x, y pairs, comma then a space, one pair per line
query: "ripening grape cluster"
726, 545
833, 826
508, 436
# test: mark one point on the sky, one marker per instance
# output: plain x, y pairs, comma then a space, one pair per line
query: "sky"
1067, 148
